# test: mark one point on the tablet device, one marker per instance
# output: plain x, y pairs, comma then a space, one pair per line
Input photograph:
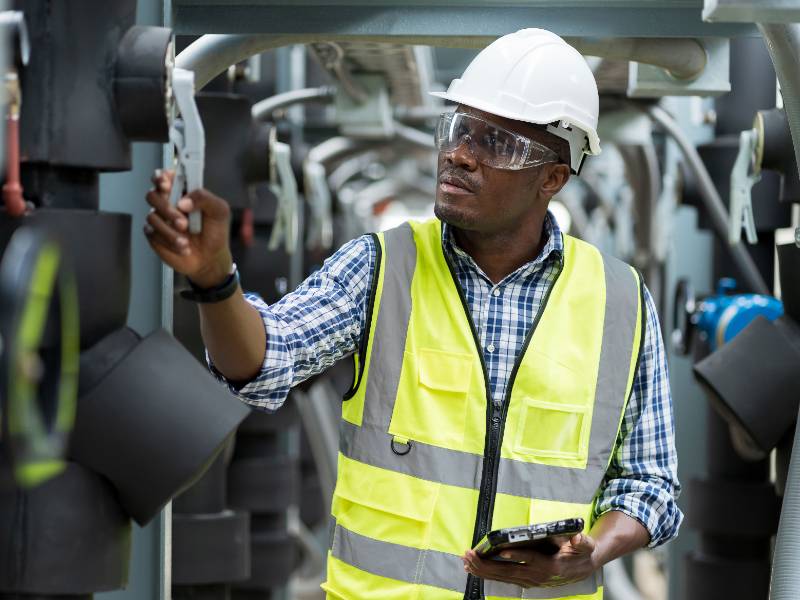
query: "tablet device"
542, 537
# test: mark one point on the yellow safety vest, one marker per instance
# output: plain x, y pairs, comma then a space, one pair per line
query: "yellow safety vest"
428, 464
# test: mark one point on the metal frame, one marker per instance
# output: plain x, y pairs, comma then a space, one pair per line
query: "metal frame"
750, 11
454, 23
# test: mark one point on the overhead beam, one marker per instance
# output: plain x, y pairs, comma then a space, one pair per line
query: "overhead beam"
449, 24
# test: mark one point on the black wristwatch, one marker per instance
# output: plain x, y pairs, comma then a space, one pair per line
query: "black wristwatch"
215, 294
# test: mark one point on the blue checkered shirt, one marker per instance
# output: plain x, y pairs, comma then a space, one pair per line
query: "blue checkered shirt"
322, 321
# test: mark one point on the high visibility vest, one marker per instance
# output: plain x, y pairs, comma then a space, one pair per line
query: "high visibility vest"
427, 464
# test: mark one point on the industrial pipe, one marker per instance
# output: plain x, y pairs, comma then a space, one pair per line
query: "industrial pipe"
682, 58
783, 43
415, 136
212, 54
714, 206
263, 110
785, 579
618, 584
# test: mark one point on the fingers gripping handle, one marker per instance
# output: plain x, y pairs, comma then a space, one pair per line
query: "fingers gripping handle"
188, 137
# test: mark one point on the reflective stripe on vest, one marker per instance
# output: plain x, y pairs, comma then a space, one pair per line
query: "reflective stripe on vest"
412, 434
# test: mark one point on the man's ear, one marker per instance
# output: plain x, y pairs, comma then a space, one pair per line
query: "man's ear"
555, 176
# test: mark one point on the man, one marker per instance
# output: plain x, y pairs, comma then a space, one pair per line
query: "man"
506, 373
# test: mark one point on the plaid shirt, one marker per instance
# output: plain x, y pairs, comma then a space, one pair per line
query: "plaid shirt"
322, 321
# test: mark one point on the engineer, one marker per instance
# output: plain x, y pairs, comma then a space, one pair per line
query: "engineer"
507, 373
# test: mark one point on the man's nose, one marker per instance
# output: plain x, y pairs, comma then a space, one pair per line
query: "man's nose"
462, 155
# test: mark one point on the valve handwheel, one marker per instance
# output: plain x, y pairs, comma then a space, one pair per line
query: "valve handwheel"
40, 354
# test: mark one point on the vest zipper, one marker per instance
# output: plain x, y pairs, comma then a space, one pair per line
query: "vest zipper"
495, 425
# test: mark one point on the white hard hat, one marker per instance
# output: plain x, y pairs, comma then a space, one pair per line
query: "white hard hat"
534, 76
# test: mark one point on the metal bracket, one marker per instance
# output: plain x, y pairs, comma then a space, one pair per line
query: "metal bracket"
188, 138
318, 196
283, 185
647, 81
370, 118
745, 174
15, 19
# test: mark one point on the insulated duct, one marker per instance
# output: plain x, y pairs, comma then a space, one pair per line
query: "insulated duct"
132, 430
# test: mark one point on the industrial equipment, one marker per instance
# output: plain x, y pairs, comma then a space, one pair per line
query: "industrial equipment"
314, 121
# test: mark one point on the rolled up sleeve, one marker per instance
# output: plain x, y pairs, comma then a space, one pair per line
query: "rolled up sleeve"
642, 478
311, 328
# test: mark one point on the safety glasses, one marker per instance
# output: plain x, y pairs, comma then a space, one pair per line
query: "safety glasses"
489, 143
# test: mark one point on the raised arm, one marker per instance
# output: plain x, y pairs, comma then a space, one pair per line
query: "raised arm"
262, 351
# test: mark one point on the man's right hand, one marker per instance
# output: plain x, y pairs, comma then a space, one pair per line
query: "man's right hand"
205, 258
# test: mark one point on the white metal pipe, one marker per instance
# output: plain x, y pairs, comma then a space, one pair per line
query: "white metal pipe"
618, 584
212, 54
263, 110
783, 42
415, 136
683, 58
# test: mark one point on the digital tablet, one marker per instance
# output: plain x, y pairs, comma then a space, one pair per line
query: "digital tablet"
542, 537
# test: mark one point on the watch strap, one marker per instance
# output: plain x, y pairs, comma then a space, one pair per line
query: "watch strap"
215, 294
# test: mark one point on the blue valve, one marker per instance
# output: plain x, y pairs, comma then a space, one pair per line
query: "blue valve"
718, 318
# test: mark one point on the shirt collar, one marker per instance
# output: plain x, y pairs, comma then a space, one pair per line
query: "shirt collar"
552, 249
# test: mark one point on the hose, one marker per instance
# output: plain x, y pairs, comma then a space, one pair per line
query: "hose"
783, 43
263, 110
785, 581
712, 202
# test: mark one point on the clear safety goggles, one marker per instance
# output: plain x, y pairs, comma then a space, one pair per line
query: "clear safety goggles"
489, 143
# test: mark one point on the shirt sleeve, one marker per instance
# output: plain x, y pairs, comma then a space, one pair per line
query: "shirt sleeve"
642, 479
311, 328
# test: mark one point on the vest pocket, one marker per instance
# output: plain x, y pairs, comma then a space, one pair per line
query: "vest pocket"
385, 505
431, 404
553, 431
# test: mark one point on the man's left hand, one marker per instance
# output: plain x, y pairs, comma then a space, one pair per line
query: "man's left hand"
574, 561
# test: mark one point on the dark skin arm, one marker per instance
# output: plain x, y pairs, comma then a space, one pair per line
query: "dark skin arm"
232, 329
613, 535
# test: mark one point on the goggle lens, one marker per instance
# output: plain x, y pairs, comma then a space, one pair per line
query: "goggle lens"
490, 144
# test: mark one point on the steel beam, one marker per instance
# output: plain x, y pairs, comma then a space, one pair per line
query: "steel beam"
752, 11
449, 23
